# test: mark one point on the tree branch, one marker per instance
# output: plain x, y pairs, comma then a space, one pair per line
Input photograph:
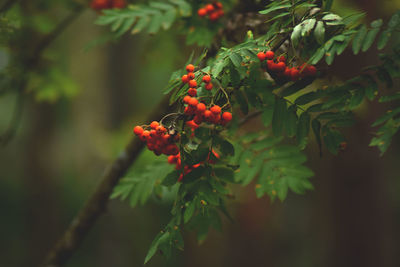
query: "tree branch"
96, 205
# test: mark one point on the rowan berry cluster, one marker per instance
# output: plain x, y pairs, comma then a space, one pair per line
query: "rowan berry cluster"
159, 139
214, 11
189, 78
278, 67
176, 159
197, 111
107, 4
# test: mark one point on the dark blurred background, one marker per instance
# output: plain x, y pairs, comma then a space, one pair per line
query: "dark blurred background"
61, 149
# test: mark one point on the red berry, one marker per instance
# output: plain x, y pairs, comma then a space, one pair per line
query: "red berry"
193, 102
201, 108
154, 125
190, 68
280, 67
118, 3
172, 159
311, 70
261, 56
208, 115
209, 86
269, 55
192, 92
192, 124
214, 16
294, 74
161, 129
287, 72
138, 130
218, 5
227, 116
220, 13
202, 12
166, 137
100, 4
281, 59
145, 134
192, 83
186, 99
189, 110
270, 64
185, 79
209, 8
198, 119
191, 76
206, 78
215, 109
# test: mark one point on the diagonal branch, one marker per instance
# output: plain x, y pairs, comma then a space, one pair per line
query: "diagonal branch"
96, 205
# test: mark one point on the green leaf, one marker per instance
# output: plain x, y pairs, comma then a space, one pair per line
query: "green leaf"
171, 178
369, 39
303, 127
319, 32
291, 121
236, 59
359, 39
189, 211
319, 54
242, 100
389, 114
274, 8
389, 98
316, 126
266, 116
308, 26
357, 98
154, 245
279, 116
332, 140
383, 39
295, 36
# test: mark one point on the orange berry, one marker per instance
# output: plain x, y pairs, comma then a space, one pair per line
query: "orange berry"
202, 12
209, 8
138, 130
261, 56
192, 83
190, 68
186, 99
154, 125
191, 76
206, 78
201, 107
185, 79
227, 116
193, 102
209, 86
208, 115
192, 92
215, 109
